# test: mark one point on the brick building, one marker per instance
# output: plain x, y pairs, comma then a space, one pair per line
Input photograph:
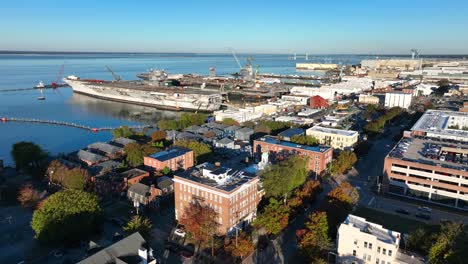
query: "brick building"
175, 158
117, 183
318, 102
319, 156
233, 194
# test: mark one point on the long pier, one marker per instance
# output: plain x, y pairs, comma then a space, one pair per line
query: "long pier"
34, 88
63, 123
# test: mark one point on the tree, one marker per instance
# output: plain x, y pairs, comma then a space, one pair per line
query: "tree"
123, 131
420, 240
70, 178
338, 203
305, 140
140, 225
274, 126
166, 124
28, 196
200, 221
450, 245
229, 122
68, 216
274, 217
315, 241
158, 135
136, 152
343, 162
280, 179
29, 157
201, 151
166, 170
190, 119
243, 248
249, 124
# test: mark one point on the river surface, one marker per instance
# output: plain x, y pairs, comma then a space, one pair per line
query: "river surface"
26, 70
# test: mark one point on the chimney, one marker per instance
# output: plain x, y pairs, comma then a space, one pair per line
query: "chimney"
143, 253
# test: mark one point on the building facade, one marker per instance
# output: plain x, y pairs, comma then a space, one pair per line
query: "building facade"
368, 99
233, 194
442, 124
336, 138
360, 241
399, 99
175, 158
319, 156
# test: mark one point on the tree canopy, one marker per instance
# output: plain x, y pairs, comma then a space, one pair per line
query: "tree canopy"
135, 153
271, 127
123, 131
29, 157
315, 241
140, 225
201, 221
185, 120
378, 124
70, 178
343, 162
229, 122
201, 151
158, 135
274, 217
28, 196
305, 140
243, 248
68, 216
281, 178
450, 245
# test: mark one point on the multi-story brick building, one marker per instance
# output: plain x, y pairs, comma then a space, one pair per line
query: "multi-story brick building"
319, 156
233, 194
428, 170
175, 158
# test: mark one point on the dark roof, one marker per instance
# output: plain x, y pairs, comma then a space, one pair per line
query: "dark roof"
245, 130
164, 182
104, 166
132, 173
225, 141
123, 141
89, 156
231, 128
123, 251
291, 132
139, 188
105, 147
275, 141
169, 154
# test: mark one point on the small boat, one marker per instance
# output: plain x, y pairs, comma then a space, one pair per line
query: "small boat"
40, 85
42, 97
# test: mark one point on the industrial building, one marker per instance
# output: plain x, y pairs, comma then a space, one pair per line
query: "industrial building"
233, 194
442, 124
368, 99
336, 138
398, 99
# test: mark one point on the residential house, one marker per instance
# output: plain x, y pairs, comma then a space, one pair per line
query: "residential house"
122, 142
89, 158
225, 143
244, 134
104, 167
115, 183
230, 131
106, 149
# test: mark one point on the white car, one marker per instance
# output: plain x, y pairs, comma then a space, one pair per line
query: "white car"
425, 209
179, 232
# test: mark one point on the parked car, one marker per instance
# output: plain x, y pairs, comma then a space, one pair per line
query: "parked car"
402, 211
179, 232
424, 209
423, 216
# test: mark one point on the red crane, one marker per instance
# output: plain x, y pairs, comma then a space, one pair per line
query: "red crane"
59, 77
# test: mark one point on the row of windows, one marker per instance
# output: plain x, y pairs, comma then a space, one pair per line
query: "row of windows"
369, 246
195, 191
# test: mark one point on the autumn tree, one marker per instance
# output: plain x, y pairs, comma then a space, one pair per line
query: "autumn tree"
338, 203
135, 153
28, 196
67, 216
200, 221
201, 151
29, 157
305, 140
240, 248
140, 225
158, 135
281, 178
345, 161
315, 241
274, 217
70, 178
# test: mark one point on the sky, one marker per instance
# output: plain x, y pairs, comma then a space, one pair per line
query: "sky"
316, 27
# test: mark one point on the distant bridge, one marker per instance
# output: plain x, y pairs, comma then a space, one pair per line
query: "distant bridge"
67, 124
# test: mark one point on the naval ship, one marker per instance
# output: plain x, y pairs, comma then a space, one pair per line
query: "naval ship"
156, 91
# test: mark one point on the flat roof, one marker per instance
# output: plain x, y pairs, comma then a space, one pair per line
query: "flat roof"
169, 154
275, 141
237, 177
381, 233
429, 152
133, 173
436, 121
347, 133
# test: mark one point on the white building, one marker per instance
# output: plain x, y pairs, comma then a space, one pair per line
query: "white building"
297, 99
360, 241
402, 100
368, 99
240, 115
336, 138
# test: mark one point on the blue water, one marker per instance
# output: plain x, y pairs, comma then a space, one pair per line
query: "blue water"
26, 70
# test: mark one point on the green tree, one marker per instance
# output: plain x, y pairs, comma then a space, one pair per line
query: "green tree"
315, 240
140, 225
243, 248
229, 122
450, 245
167, 124
76, 179
29, 157
201, 151
270, 126
67, 216
166, 170
190, 119
135, 153
281, 178
274, 218
123, 131
305, 140
249, 124
343, 162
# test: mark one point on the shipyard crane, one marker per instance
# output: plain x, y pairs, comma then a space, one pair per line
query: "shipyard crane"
116, 77
235, 57
59, 77
414, 54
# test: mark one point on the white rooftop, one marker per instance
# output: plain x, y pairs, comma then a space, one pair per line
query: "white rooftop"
347, 133
440, 122
381, 233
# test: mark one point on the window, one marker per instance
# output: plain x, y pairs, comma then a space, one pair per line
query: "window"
365, 244
364, 257
382, 262
378, 249
384, 251
390, 253
354, 252
355, 242
370, 245
377, 261
368, 257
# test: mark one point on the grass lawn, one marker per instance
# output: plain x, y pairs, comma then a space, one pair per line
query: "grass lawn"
390, 221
